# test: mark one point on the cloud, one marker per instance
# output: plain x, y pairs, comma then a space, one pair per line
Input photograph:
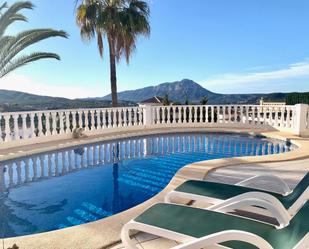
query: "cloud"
27, 84
293, 73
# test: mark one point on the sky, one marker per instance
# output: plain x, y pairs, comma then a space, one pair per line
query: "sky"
239, 46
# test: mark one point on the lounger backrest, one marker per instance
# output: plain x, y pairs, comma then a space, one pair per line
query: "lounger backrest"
300, 187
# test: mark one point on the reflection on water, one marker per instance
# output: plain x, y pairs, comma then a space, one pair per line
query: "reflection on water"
75, 186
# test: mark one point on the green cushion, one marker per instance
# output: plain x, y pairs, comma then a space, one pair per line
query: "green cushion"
225, 191
199, 222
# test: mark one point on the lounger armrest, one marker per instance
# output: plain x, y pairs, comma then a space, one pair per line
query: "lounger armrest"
284, 187
298, 204
225, 236
259, 199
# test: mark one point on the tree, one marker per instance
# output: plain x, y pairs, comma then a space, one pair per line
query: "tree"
12, 45
204, 100
166, 100
120, 22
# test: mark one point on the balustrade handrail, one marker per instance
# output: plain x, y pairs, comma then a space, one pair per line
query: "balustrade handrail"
67, 110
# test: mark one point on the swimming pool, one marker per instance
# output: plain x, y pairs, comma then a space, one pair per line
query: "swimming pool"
70, 187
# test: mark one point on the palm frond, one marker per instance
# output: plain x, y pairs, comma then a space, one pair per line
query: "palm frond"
24, 60
3, 6
23, 40
6, 18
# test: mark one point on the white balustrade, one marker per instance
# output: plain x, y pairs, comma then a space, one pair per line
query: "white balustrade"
27, 126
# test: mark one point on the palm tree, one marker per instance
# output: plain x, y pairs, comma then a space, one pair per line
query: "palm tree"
120, 22
12, 45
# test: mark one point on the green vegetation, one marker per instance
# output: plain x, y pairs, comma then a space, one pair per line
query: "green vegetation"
121, 21
297, 98
166, 100
12, 45
11, 101
204, 100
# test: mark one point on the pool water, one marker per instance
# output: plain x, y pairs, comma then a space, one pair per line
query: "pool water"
66, 188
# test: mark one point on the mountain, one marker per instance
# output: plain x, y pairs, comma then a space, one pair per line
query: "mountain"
19, 101
177, 91
186, 89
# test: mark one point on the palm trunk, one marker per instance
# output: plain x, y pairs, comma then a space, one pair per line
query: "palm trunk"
113, 76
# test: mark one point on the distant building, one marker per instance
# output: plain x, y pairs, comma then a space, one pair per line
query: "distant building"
266, 103
156, 100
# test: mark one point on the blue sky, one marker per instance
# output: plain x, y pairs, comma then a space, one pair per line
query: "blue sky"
237, 46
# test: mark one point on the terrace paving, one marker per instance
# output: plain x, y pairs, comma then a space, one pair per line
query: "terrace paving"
106, 233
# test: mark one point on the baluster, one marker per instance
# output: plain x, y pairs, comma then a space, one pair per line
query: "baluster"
74, 123
282, 111
40, 126
86, 113
92, 126
157, 110
120, 121
79, 119
212, 114
54, 123
16, 128
206, 114
135, 116
168, 113
115, 118
288, 117
224, 114
276, 116
61, 118
260, 115
103, 119
175, 113
241, 114
130, 117
247, 115
125, 121
47, 124
235, 114
109, 115
67, 122
195, 114
190, 114
32, 125
8, 136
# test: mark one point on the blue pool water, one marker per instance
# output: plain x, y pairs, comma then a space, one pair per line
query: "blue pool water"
79, 185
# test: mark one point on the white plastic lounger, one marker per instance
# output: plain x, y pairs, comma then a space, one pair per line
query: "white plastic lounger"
199, 228
226, 198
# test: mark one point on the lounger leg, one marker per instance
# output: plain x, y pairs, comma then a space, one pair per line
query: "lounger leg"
125, 237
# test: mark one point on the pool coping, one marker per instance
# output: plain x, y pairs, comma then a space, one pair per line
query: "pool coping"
106, 232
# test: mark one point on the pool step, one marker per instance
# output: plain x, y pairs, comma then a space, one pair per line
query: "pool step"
87, 213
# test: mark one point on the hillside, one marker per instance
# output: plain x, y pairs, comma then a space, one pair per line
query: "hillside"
19, 101
183, 90
178, 91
